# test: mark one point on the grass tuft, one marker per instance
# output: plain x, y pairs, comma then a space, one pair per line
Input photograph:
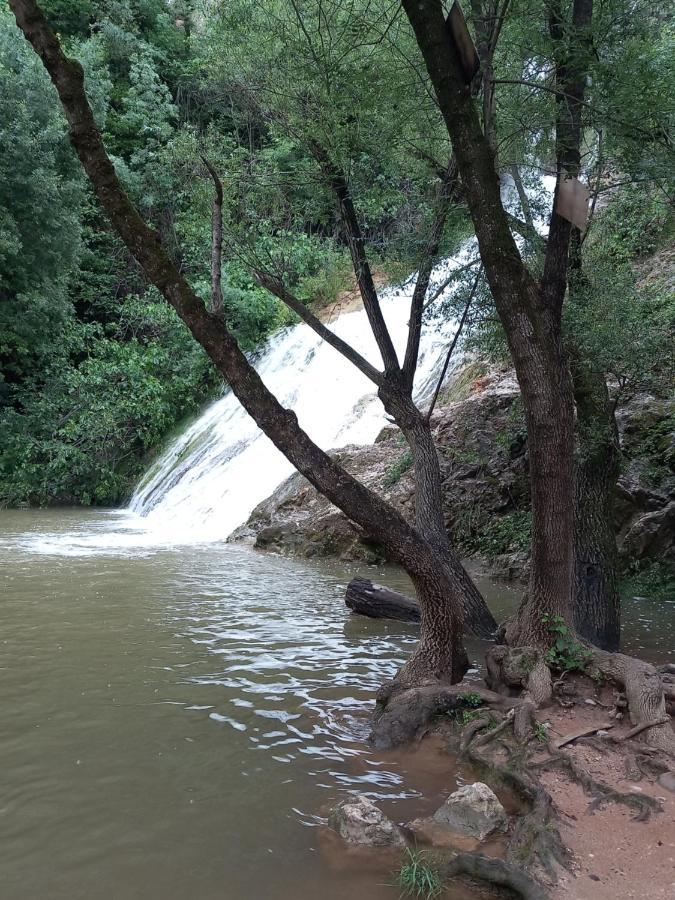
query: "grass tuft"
418, 878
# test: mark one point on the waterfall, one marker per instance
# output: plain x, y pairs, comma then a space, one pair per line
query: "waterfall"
211, 478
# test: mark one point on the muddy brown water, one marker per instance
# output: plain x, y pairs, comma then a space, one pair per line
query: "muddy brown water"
175, 723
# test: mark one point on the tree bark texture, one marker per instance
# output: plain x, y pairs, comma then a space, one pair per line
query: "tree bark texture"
531, 317
597, 611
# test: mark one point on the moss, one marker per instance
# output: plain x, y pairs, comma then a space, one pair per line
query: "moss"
510, 533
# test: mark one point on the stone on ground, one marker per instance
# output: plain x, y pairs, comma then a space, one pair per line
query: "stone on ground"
474, 810
358, 821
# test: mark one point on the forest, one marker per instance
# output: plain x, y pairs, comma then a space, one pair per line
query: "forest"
184, 186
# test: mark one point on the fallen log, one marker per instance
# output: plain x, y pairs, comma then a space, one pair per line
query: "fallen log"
378, 602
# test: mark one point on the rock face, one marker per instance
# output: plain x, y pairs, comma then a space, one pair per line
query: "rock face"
480, 434
358, 821
473, 810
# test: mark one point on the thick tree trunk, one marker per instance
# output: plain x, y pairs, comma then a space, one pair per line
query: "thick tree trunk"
530, 312
440, 587
532, 325
597, 613
440, 654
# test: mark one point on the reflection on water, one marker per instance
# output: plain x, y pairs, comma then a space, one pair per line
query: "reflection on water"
173, 724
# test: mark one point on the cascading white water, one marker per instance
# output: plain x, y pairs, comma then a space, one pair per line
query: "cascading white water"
211, 478
222, 466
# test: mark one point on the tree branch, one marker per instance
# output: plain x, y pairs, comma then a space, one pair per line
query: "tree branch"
573, 52
451, 349
446, 192
275, 286
364, 277
216, 240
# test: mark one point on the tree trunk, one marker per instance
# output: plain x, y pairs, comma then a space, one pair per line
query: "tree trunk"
440, 654
530, 312
429, 515
441, 589
597, 615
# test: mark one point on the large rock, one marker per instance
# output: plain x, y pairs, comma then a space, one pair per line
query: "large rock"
480, 433
474, 810
358, 821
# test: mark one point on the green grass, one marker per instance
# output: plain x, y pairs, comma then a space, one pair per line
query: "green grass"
417, 877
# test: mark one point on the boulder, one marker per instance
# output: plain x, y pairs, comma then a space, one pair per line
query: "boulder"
358, 821
474, 810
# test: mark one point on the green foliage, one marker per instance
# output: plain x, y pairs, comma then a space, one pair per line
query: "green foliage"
470, 708
471, 699
419, 876
464, 716
565, 653
395, 471
81, 437
656, 581
632, 225
510, 533
541, 732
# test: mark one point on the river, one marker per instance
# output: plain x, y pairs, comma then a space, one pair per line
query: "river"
175, 722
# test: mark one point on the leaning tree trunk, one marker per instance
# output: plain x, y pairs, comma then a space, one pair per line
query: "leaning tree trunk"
441, 589
596, 606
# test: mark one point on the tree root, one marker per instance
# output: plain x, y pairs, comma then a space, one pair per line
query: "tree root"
597, 790
497, 872
402, 712
535, 842
514, 669
643, 686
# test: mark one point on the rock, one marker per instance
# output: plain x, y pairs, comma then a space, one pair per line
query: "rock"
358, 821
652, 535
480, 433
474, 810
429, 831
667, 780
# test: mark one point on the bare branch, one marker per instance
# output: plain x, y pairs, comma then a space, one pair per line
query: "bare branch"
364, 276
275, 286
452, 346
446, 192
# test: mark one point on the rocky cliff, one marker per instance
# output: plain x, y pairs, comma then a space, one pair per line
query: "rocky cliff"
480, 435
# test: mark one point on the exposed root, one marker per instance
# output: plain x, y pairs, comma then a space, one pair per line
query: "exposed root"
495, 871
535, 842
489, 736
472, 729
402, 712
519, 669
514, 669
643, 686
599, 792
524, 721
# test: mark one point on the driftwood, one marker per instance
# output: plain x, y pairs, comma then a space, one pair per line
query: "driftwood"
369, 599
582, 732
